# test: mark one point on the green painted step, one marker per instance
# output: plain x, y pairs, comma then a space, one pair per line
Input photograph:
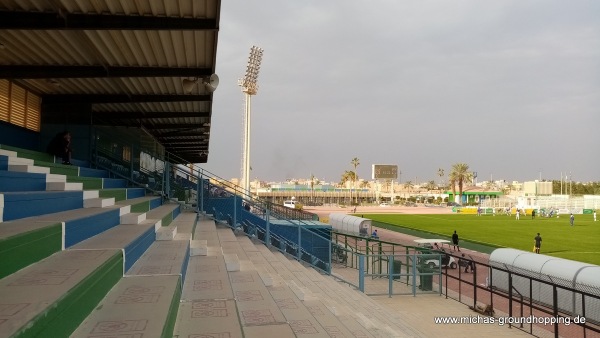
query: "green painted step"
144, 305
52, 297
58, 168
118, 194
29, 247
30, 154
89, 183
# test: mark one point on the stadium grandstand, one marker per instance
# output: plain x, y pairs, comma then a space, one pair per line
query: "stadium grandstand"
132, 238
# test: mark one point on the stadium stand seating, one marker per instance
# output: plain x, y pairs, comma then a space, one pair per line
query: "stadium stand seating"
98, 258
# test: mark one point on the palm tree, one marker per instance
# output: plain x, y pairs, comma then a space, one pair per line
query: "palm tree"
459, 173
452, 182
355, 162
347, 176
441, 174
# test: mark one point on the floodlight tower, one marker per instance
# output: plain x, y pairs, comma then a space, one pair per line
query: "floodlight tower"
249, 88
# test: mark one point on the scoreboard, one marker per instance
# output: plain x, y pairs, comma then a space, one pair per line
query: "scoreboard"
385, 171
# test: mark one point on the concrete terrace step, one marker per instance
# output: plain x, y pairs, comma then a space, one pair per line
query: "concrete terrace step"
26, 204
207, 278
98, 202
199, 247
163, 258
91, 199
138, 306
8, 153
185, 222
28, 240
71, 170
63, 186
35, 159
133, 239
147, 302
343, 301
121, 194
166, 213
37, 155
133, 218
353, 303
11, 181
211, 318
97, 183
56, 178
166, 233
19, 161
27, 168
27, 153
51, 297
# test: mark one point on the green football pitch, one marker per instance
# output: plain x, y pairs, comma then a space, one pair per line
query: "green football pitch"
485, 233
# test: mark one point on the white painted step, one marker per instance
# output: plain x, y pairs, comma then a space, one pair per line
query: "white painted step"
232, 262
266, 278
98, 202
19, 160
166, 233
24, 168
55, 178
90, 194
64, 186
199, 247
8, 153
133, 218
183, 237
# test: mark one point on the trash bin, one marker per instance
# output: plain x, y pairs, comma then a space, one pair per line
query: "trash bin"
426, 281
397, 269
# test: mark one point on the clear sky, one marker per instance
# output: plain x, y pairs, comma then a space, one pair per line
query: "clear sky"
512, 88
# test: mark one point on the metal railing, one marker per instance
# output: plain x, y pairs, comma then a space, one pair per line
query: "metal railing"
163, 174
540, 306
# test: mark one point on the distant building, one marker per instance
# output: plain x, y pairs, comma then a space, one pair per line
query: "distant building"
537, 188
473, 195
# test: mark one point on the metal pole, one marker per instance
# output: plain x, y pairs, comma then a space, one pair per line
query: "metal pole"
390, 275
166, 179
200, 194
474, 284
414, 274
361, 273
555, 308
268, 229
300, 242
510, 297
235, 197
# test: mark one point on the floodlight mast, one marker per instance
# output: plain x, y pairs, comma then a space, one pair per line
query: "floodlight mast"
249, 88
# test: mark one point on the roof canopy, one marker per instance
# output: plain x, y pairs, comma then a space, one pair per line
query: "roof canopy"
126, 59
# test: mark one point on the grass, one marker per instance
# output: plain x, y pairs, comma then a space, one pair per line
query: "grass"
485, 233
